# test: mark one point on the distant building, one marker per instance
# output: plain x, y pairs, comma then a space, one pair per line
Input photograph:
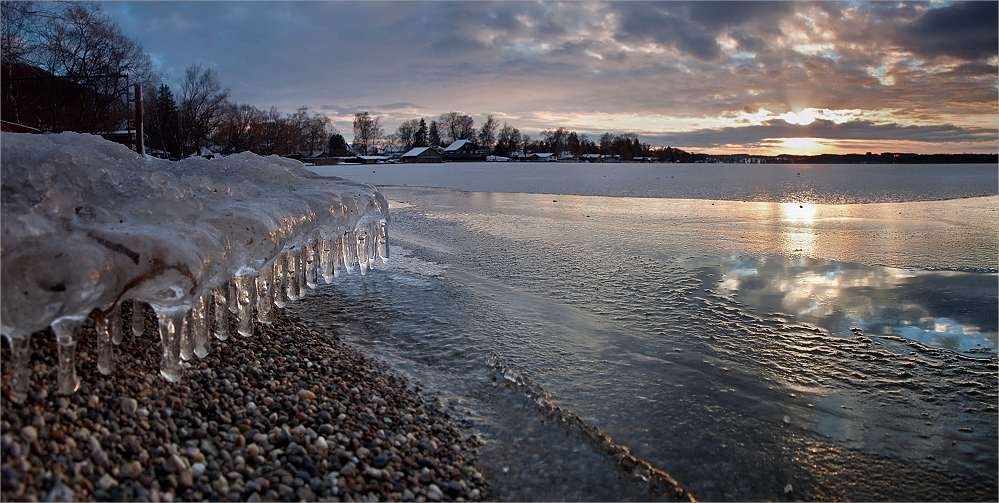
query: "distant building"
542, 156
592, 157
371, 159
463, 150
422, 154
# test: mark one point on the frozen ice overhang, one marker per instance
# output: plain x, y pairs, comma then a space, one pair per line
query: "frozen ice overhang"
87, 224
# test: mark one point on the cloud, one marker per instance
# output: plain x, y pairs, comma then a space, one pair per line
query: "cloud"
528, 62
965, 30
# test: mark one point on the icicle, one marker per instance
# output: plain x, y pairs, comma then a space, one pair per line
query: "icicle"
362, 252
19, 379
265, 295
349, 252
245, 291
326, 248
232, 296
65, 330
383, 240
280, 281
105, 344
303, 283
138, 318
171, 322
114, 325
199, 327
337, 255
187, 337
293, 265
312, 264
220, 326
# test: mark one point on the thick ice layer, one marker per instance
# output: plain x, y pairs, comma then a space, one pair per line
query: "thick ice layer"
88, 224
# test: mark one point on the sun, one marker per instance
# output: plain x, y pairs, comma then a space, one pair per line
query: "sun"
804, 146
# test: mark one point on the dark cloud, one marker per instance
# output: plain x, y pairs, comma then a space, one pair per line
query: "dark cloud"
966, 30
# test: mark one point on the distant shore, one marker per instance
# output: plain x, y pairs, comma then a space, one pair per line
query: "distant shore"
288, 414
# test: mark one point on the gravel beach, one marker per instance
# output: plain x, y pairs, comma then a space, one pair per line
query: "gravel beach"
289, 414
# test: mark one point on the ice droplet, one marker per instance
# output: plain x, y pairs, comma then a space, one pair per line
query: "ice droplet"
246, 298
171, 323
265, 295
65, 330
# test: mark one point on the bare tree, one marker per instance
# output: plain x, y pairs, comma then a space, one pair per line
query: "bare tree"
457, 126
201, 101
509, 140
407, 132
487, 133
236, 131
366, 131
316, 135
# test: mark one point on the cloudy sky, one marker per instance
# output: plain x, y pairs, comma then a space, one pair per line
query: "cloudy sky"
757, 77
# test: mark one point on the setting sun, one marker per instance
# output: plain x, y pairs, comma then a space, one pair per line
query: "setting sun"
804, 146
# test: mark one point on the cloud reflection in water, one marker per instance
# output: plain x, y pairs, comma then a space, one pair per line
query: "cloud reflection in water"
950, 310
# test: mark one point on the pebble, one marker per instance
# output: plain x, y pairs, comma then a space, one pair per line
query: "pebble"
250, 422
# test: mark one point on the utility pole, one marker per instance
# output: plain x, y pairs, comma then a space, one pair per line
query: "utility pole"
139, 147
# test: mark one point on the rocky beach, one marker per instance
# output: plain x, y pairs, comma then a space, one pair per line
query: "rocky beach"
289, 414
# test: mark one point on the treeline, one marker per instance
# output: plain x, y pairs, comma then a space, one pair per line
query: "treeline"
67, 66
894, 158
507, 141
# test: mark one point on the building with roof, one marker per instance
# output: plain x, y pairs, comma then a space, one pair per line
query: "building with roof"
422, 154
463, 150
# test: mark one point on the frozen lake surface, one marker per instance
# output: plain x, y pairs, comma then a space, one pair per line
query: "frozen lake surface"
783, 348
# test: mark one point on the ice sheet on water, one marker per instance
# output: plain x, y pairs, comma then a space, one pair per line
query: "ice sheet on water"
88, 223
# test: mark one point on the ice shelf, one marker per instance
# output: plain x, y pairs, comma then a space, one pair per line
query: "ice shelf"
88, 224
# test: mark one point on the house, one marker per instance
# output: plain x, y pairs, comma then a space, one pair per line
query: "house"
542, 156
422, 154
371, 159
592, 157
463, 150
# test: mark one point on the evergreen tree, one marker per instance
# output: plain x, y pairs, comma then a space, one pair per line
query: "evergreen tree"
420, 139
434, 137
165, 133
338, 146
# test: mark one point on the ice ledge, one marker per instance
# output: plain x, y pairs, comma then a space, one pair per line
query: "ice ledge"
88, 223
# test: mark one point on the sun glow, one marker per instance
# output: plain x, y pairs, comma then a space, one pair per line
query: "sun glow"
804, 146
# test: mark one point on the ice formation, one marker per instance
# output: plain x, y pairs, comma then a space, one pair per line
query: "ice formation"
88, 224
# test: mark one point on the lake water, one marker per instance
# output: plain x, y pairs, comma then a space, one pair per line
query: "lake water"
758, 332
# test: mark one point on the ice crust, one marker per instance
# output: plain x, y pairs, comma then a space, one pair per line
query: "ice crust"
88, 223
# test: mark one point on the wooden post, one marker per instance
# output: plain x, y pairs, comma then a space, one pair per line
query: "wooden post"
139, 147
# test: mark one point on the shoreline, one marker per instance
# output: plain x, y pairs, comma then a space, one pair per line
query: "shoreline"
285, 415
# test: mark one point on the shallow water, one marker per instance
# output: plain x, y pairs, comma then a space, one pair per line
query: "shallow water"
747, 349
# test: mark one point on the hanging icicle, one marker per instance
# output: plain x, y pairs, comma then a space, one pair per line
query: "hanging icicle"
245, 288
138, 318
265, 295
280, 280
199, 327
171, 323
20, 376
66, 329
312, 264
220, 318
